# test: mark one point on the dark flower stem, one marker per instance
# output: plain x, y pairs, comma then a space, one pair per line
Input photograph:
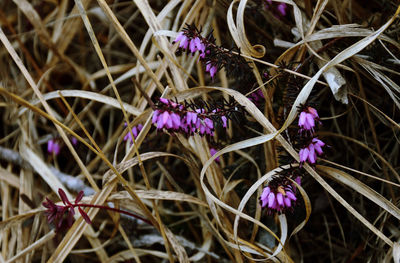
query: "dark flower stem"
114, 210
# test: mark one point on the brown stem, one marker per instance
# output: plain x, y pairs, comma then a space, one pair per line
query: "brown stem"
115, 210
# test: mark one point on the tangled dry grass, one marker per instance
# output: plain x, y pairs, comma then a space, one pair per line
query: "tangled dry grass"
80, 70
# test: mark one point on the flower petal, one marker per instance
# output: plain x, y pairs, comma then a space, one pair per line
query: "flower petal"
279, 199
271, 199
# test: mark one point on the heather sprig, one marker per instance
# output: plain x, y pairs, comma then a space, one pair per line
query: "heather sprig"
213, 56
310, 145
190, 118
56, 213
280, 194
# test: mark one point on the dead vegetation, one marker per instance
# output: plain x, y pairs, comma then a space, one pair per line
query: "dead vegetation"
74, 72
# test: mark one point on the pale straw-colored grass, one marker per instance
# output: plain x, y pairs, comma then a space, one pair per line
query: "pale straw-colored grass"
74, 68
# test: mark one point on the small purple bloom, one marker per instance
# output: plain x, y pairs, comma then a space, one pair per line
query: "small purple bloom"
192, 46
183, 40
208, 66
199, 45
264, 196
155, 116
164, 100
213, 70
282, 9
257, 97
191, 117
176, 121
135, 131
303, 154
298, 181
74, 140
213, 152
209, 123
53, 147
224, 121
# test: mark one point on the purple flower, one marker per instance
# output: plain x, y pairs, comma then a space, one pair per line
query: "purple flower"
213, 151
257, 97
280, 197
183, 40
318, 144
310, 152
168, 119
74, 140
190, 39
53, 147
194, 44
210, 67
135, 131
282, 9
307, 119
224, 121
176, 117
199, 45
191, 117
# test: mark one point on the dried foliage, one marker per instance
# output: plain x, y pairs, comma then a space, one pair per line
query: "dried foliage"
165, 120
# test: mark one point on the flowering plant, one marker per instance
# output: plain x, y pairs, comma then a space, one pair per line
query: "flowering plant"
56, 213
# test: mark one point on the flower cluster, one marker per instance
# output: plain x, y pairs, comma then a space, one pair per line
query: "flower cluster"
190, 119
280, 194
310, 152
55, 213
213, 56
312, 146
307, 119
135, 131
194, 44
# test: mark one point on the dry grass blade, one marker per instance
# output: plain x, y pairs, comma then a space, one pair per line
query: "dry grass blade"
158, 195
40, 242
9, 178
361, 188
18, 219
396, 252
93, 96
